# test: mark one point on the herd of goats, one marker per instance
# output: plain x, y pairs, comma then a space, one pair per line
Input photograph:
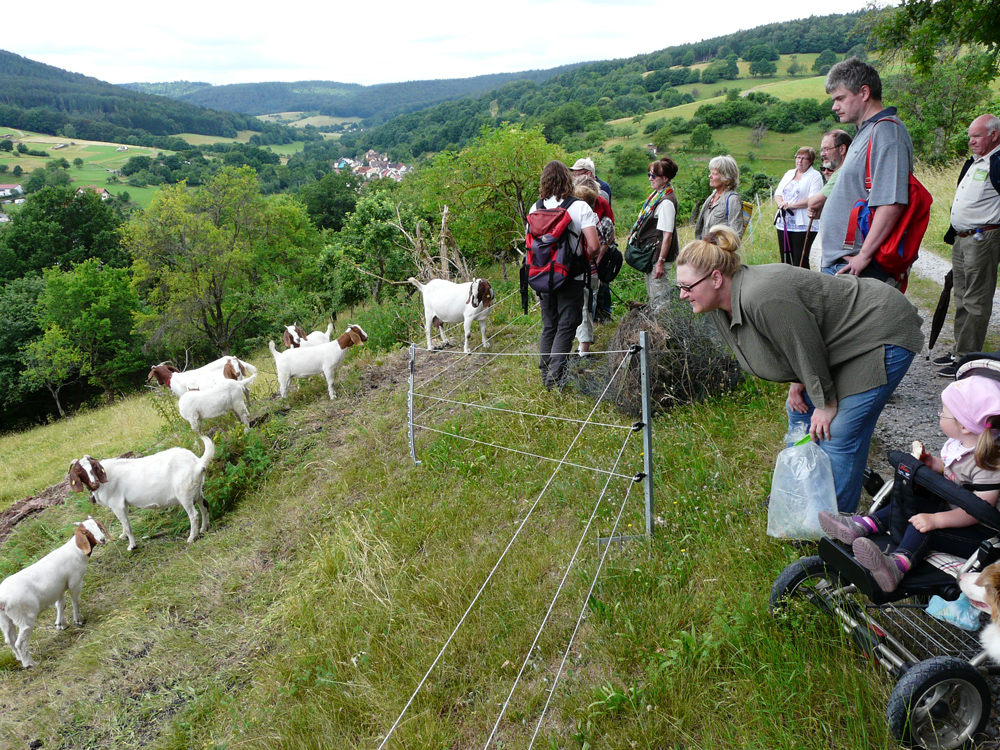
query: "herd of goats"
176, 476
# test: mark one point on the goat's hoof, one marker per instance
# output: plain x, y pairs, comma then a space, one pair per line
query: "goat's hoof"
78, 623
60, 626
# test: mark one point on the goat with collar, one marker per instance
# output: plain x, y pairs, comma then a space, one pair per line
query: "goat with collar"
447, 302
322, 359
27, 593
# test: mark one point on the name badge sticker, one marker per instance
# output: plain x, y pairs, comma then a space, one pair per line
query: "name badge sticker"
980, 175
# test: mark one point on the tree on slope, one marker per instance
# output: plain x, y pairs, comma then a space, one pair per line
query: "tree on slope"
215, 263
920, 28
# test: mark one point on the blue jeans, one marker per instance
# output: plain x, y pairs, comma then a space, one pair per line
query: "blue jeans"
852, 428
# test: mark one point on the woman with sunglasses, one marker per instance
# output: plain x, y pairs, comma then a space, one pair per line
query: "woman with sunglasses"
655, 227
842, 347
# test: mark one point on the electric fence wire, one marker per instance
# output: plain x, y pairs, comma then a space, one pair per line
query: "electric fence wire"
495, 334
503, 555
579, 620
491, 357
485, 407
562, 583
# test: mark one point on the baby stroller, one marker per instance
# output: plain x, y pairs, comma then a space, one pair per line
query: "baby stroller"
941, 698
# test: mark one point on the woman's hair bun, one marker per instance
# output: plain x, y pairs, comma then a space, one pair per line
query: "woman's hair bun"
723, 238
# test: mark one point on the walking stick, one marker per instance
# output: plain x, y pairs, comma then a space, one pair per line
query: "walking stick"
805, 245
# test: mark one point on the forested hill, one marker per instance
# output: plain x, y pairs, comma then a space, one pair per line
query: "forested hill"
378, 102
573, 106
45, 99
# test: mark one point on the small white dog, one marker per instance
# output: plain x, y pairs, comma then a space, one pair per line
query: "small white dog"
445, 302
987, 589
27, 593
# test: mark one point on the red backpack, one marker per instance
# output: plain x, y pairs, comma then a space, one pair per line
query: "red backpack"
550, 259
900, 249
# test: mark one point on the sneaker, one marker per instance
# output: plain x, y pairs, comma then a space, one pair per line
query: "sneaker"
948, 371
944, 359
883, 567
842, 528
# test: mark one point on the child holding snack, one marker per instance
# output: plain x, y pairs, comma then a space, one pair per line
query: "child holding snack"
970, 418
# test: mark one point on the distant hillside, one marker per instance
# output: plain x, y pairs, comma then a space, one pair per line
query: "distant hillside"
573, 107
377, 102
45, 99
173, 89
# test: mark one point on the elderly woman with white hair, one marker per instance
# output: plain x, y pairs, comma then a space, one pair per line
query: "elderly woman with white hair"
724, 205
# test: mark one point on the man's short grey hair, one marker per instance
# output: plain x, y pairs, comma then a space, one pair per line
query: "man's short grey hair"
840, 137
992, 123
728, 169
852, 74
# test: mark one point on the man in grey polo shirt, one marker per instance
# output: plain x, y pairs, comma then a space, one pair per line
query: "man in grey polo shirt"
856, 90
975, 226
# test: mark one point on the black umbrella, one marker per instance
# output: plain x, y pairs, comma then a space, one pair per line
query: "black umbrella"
525, 294
941, 311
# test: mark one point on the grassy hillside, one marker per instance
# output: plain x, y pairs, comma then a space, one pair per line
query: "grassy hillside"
335, 570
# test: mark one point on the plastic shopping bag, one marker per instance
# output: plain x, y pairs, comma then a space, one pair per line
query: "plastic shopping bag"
801, 487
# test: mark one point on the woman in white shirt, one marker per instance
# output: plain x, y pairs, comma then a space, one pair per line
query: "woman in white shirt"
792, 198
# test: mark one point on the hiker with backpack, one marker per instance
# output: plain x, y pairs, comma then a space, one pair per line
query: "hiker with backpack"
586, 189
724, 205
561, 239
881, 157
975, 238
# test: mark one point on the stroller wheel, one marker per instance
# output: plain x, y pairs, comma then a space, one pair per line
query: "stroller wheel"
808, 579
939, 704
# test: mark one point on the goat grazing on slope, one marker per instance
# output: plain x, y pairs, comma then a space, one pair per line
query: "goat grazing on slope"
223, 368
216, 400
322, 359
295, 336
445, 302
27, 593
172, 477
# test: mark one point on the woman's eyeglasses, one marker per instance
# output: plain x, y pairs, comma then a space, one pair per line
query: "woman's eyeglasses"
688, 287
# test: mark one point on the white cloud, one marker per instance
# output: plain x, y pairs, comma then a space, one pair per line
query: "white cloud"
360, 43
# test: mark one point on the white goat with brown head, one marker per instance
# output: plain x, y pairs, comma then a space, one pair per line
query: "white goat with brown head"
322, 359
172, 477
447, 302
295, 336
27, 593
224, 368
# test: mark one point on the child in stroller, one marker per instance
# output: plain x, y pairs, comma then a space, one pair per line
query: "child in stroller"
970, 457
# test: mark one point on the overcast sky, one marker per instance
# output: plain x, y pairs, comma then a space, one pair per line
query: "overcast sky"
372, 42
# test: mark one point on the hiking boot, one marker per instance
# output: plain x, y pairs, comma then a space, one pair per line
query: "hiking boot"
948, 371
884, 568
944, 359
842, 528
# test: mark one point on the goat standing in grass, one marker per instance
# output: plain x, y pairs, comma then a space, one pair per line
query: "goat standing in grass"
224, 396
446, 302
29, 592
172, 477
322, 359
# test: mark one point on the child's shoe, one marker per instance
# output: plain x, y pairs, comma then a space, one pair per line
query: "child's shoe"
887, 570
843, 528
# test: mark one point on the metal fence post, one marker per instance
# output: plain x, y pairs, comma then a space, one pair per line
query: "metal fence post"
409, 405
647, 430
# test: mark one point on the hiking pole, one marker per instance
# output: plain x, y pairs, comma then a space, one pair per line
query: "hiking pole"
805, 245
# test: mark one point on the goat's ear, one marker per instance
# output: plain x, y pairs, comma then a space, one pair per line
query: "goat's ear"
99, 471
74, 478
355, 337
103, 530
301, 331
172, 368
83, 539
229, 372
